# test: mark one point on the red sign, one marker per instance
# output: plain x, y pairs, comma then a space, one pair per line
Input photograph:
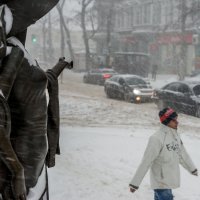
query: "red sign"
129, 39
175, 39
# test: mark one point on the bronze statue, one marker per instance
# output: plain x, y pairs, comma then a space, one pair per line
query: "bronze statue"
29, 125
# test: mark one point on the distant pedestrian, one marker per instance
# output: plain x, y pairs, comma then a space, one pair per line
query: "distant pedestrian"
163, 154
154, 71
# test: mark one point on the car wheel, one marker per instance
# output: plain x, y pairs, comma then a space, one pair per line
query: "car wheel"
85, 80
197, 114
99, 82
108, 95
127, 98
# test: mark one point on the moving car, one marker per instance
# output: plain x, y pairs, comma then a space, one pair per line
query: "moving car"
98, 76
183, 96
131, 88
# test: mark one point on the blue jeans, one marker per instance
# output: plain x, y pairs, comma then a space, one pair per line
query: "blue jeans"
163, 194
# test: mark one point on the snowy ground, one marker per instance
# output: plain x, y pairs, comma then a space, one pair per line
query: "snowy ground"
103, 140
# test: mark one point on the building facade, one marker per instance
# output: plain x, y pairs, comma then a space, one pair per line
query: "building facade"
162, 28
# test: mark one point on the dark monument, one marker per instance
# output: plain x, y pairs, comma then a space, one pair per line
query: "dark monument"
29, 125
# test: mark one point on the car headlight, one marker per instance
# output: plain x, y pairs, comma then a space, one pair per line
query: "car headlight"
136, 91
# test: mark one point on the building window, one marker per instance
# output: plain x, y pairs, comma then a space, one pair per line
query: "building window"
167, 12
129, 17
147, 13
133, 16
171, 11
117, 20
156, 14
122, 19
196, 13
138, 15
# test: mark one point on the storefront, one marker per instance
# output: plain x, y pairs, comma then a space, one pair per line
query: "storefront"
166, 48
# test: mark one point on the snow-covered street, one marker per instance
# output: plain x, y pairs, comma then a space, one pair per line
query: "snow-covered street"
102, 142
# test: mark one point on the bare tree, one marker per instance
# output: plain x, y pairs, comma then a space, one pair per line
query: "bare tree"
187, 12
50, 49
84, 16
184, 22
63, 25
83, 13
64, 37
109, 29
106, 14
181, 25
44, 37
47, 43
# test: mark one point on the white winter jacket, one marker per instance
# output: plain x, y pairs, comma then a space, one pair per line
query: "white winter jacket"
163, 154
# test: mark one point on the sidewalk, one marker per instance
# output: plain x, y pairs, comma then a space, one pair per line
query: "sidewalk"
162, 79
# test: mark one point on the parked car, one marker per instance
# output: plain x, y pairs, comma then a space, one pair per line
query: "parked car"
195, 72
131, 88
183, 96
98, 76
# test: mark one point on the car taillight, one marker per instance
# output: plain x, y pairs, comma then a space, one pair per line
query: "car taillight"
105, 76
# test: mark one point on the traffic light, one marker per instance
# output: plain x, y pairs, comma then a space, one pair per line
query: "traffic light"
34, 38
